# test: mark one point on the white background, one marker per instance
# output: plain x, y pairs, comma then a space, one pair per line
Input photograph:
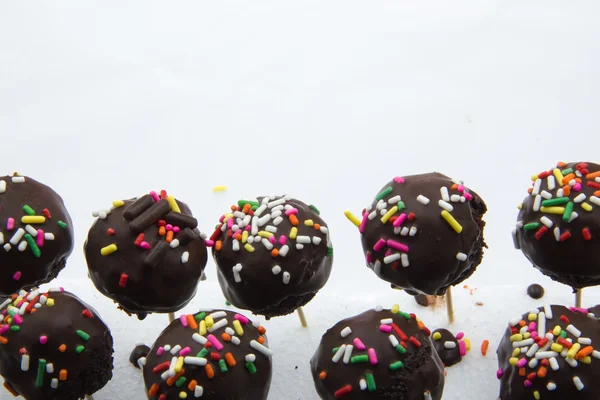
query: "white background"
325, 100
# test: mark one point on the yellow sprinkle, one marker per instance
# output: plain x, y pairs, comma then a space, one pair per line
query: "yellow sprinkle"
202, 329
173, 204
468, 344
244, 236
395, 309
586, 206
558, 175
556, 331
219, 188
513, 361
536, 395
534, 177
532, 317
118, 203
352, 218
553, 210
437, 336
516, 352
586, 360
209, 321
293, 232
249, 248
517, 337
556, 347
573, 350
264, 234
451, 221
179, 364
526, 335
238, 327
33, 219
309, 222
520, 206
182, 395
386, 217
50, 302
111, 248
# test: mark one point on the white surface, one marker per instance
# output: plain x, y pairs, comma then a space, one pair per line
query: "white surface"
324, 100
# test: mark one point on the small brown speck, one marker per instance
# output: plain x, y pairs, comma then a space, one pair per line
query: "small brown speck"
479, 303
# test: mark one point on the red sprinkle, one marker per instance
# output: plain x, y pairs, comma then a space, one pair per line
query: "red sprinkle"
585, 232
564, 319
593, 184
565, 236
162, 397
415, 342
163, 194
216, 233
531, 376
215, 356
411, 216
111, 231
541, 232
399, 332
87, 313
395, 265
123, 280
31, 304
22, 351
161, 367
564, 343
543, 175
342, 391
543, 342
545, 362
46, 213
162, 222
139, 239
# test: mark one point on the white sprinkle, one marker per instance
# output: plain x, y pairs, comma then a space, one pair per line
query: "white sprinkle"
395, 199
348, 353
372, 215
141, 362
455, 198
33, 295
413, 231
185, 257
346, 332
22, 246
175, 349
43, 299
235, 228
444, 193
254, 230
264, 219
199, 338
461, 256
521, 343
532, 350
381, 205
2, 186
48, 236
271, 228
404, 260
578, 383
250, 357
595, 200
515, 321
17, 236
573, 331
545, 354
276, 203
54, 383
316, 240
404, 231
445, 205
427, 395
102, 215
1, 238
250, 239
165, 375
5, 303
277, 209
536, 187
174, 243
537, 203
303, 239
541, 324
195, 361
284, 250
324, 230
573, 216
299, 246
22, 309
377, 267
596, 354
236, 272
198, 391
449, 345
551, 386
572, 182
560, 193
276, 269
546, 221
259, 347
49, 368
363, 384
584, 341
18, 179
546, 195
533, 363
229, 331
383, 212
387, 321
557, 234
25, 362
260, 210
422, 199
247, 220
235, 245
391, 258
551, 182
235, 340
31, 230
268, 245
519, 224
222, 323
394, 341
579, 198
286, 278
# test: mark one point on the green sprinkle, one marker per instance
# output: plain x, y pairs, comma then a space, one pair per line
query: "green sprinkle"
405, 315
360, 359
555, 202
251, 368
227, 303
563, 334
531, 226
315, 209
40, 375
33, 245
28, 210
329, 251
384, 193
218, 226
254, 208
370, 382
335, 349
401, 205
180, 381
222, 365
15, 328
568, 211
62, 224
12, 311
83, 335
200, 317
202, 353
396, 366
79, 349
566, 171
242, 203
400, 349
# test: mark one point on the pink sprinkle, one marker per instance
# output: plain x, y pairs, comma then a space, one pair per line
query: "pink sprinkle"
222, 218
230, 223
291, 211
247, 228
461, 188
185, 352
183, 319
532, 326
460, 335
154, 196
40, 238
369, 257
273, 240
399, 179
145, 245
468, 196
169, 227
379, 245
160, 351
499, 373
522, 362
372, 356
534, 334
462, 346
359, 344
388, 252
577, 187
385, 328
17, 275
43, 339
215, 342
528, 383
17, 319
10, 224
209, 243
282, 240
242, 319
19, 304
363, 223
3, 329
398, 246
176, 229
399, 220
582, 310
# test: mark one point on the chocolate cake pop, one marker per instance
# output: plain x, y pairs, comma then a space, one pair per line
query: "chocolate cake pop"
213, 355
385, 354
272, 254
549, 354
558, 227
36, 234
447, 347
423, 233
146, 254
53, 346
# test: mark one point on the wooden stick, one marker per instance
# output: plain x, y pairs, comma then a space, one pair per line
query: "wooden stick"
89, 397
578, 298
302, 317
171, 317
449, 306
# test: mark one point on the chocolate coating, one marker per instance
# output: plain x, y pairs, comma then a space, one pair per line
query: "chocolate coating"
28, 268
138, 352
448, 354
535, 291
278, 276
69, 322
565, 251
157, 278
551, 383
234, 376
433, 260
421, 371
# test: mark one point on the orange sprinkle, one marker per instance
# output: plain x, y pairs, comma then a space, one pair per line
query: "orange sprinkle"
275, 252
578, 180
230, 360
522, 371
567, 178
542, 372
169, 236
529, 190
8, 387
62, 348
593, 175
153, 390
261, 329
234, 208
522, 323
226, 337
3, 340
63, 375
191, 321
586, 351
192, 385
171, 381
210, 372
454, 187
261, 340
421, 325
162, 230
218, 245
238, 236
323, 375
33, 310
561, 164
567, 190
597, 193
247, 208
484, 347
293, 219
317, 227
